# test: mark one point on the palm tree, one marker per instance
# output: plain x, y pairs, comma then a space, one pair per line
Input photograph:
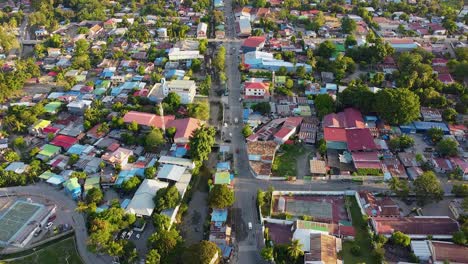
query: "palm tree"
295, 249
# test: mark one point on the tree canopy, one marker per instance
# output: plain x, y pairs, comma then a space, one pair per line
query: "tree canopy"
447, 147
154, 139
428, 188
221, 197
202, 253
131, 184
324, 105
201, 142
397, 106
263, 108
166, 198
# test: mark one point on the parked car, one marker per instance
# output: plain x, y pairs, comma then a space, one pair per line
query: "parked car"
250, 225
51, 218
138, 236
129, 234
38, 232
49, 225
124, 233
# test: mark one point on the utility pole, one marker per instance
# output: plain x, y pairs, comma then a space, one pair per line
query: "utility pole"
161, 112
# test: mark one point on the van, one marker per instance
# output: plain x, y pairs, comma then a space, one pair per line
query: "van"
250, 225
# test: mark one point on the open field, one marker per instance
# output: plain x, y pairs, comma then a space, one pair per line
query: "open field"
285, 163
63, 251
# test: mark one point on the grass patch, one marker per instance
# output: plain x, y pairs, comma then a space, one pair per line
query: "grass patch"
285, 160
362, 239
60, 252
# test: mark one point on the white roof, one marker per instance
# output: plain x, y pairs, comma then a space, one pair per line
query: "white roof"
183, 183
303, 235
177, 161
177, 54
421, 249
171, 172
142, 202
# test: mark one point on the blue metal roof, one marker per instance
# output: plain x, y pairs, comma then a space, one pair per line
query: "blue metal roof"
219, 215
223, 166
419, 125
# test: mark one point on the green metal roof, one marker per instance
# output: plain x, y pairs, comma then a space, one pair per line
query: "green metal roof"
49, 150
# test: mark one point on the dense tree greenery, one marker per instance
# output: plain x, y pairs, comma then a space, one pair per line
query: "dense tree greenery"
399, 238
401, 142
348, 25
397, 106
427, 188
153, 257
166, 243
161, 222
171, 103
324, 105
154, 139
201, 142
357, 95
13, 81
166, 198
447, 147
246, 131
131, 184
19, 118
103, 225
221, 196
220, 59
94, 195
199, 110
202, 253
263, 108
326, 49
435, 134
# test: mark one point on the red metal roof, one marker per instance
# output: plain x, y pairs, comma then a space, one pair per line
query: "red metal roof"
416, 225
184, 127
360, 139
283, 132
253, 42
146, 119
257, 85
349, 118
64, 141
335, 134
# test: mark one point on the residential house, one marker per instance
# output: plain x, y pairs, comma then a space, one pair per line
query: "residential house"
38, 127
48, 152
73, 188
142, 203
323, 248
147, 120
118, 157
261, 155
254, 43
289, 128
366, 160
461, 165
318, 167
244, 28
202, 30
401, 45
64, 142
184, 129
186, 89
79, 107
17, 167
378, 207
259, 60
257, 91
417, 227
431, 114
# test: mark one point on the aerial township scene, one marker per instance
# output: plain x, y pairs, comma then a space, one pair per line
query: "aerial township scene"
233, 131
